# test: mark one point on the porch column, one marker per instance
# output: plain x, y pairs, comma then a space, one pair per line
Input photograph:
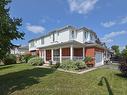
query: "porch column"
52, 55
60, 55
40, 53
83, 52
44, 55
71, 52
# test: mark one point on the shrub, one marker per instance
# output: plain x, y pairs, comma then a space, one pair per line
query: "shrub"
87, 59
55, 66
72, 65
25, 58
68, 65
80, 64
10, 59
123, 66
37, 61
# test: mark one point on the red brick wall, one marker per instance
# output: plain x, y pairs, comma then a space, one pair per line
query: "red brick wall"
90, 51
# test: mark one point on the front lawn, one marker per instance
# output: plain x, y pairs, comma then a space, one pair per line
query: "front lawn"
24, 79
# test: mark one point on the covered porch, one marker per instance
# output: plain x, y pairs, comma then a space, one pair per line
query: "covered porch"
63, 51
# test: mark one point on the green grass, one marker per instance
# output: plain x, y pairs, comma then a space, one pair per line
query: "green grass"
24, 79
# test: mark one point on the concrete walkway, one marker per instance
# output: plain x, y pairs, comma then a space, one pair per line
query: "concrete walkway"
75, 72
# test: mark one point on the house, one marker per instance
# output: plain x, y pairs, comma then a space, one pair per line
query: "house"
19, 50
69, 43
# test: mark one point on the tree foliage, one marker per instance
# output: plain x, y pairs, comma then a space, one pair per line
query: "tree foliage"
124, 52
9, 29
116, 49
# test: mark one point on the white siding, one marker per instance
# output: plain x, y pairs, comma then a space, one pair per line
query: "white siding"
79, 36
63, 36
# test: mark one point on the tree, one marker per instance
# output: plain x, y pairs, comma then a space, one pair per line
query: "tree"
116, 49
9, 29
124, 52
123, 62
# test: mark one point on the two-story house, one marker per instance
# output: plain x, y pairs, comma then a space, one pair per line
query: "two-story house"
68, 43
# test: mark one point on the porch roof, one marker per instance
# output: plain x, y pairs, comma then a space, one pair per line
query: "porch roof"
95, 45
64, 44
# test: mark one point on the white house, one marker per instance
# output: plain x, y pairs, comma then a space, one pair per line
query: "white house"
69, 43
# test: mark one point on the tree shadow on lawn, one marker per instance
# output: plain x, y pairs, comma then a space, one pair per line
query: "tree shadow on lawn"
5, 67
121, 75
19, 80
101, 82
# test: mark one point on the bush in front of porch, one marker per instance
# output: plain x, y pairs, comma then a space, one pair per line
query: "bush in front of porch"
73, 65
37, 61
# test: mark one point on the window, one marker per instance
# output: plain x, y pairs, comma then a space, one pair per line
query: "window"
32, 44
72, 34
86, 35
42, 41
91, 36
57, 33
53, 37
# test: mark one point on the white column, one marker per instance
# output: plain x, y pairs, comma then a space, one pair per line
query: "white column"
44, 55
52, 55
60, 55
71, 52
83, 52
40, 53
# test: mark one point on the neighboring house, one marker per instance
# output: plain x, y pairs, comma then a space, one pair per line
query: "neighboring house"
69, 43
20, 50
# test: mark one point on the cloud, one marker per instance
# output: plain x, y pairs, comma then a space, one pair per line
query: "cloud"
115, 22
82, 6
51, 20
108, 38
124, 20
122, 48
108, 24
35, 28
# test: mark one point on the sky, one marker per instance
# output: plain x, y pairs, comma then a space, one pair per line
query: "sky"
108, 18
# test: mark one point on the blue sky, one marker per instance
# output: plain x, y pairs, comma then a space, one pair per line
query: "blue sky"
108, 18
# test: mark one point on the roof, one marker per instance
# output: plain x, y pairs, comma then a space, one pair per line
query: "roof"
60, 29
72, 42
64, 28
24, 47
95, 45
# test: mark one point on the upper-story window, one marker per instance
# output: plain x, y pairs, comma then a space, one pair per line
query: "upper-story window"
72, 34
92, 36
57, 33
85, 35
53, 37
42, 41
32, 44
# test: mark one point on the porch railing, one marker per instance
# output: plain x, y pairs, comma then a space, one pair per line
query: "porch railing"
77, 57
57, 58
